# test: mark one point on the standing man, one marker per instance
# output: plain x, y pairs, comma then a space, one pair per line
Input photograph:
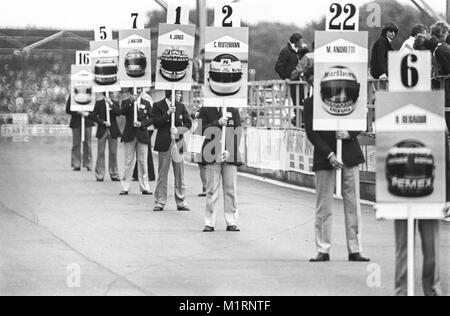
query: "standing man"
106, 132
290, 56
170, 144
198, 158
288, 60
221, 168
147, 100
136, 139
430, 239
75, 125
325, 166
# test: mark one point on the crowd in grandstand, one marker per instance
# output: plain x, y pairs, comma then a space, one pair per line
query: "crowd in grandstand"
37, 85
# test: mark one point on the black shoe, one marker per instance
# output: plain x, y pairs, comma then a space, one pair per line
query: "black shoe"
88, 169
135, 180
158, 209
233, 229
76, 169
357, 257
321, 257
184, 209
208, 229
115, 180
123, 193
100, 180
202, 195
147, 193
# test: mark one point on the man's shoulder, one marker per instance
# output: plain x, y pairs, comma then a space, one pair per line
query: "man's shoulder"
159, 103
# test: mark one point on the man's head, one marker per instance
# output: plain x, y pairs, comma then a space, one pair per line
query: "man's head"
390, 30
440, 30
419, 30
178, 95
296, 39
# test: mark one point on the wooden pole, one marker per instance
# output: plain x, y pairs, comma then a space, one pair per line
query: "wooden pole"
108, 115
411, 250
339, 171
135, 104
447, 15
83, 132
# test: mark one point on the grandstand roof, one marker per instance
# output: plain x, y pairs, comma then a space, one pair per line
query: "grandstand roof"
16, 39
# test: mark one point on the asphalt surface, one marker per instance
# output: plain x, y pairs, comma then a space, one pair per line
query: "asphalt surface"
62, 233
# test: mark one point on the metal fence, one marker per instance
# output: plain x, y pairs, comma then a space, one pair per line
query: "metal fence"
279, 103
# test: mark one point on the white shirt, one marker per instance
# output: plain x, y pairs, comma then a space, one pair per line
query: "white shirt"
408, 44
295, 48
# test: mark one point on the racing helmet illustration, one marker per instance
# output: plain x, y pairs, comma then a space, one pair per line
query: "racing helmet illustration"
410, 169
105, 71
135, 63
225, 75
174, 64
339, 90
82, 94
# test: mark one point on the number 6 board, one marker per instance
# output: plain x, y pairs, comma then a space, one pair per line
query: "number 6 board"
410, 71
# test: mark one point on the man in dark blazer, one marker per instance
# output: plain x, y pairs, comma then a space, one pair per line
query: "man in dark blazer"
169, 150
440, 32
221, 168
75, 125
380, 51
288, 61
147, 100
107, 132
325, 165
136, 139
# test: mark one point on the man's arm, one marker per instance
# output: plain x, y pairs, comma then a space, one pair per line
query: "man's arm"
314, 137
126, 107
379, 50
204, 118
68, 106
187, 123
280, 66
148, 121
95, 115
443, 59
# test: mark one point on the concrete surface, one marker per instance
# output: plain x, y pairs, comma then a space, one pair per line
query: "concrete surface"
53, 219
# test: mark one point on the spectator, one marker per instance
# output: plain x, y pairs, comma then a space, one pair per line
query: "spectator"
305, 63
440, 31
380, 51
288, 60
418, 30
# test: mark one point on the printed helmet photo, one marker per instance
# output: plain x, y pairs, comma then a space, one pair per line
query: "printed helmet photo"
225, 75
82, 94
410, 169
135, 63
339, 90
174, 64
105, 71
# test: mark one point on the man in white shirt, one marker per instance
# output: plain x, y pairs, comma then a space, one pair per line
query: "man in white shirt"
417, 30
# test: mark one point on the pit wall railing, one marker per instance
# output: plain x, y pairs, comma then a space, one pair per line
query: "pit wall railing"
275, 143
